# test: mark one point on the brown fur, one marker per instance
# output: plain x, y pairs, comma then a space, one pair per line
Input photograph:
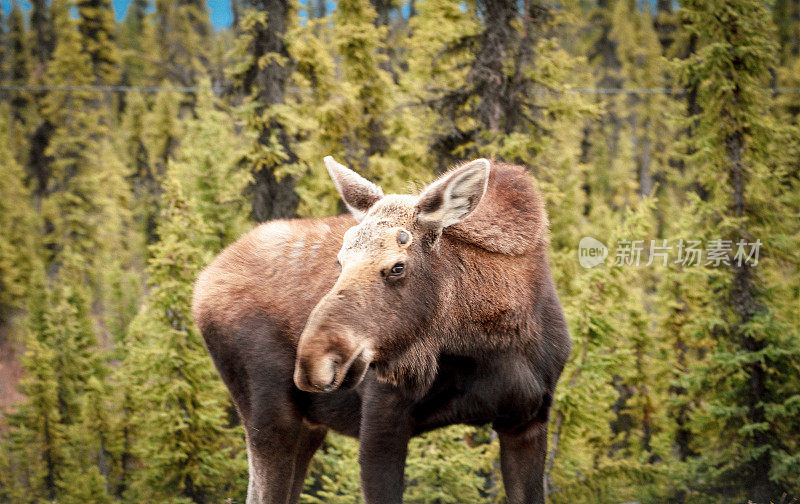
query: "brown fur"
471, 331
258, 274
510, 219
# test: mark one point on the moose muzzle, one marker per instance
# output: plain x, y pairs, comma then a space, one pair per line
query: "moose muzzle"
326, 363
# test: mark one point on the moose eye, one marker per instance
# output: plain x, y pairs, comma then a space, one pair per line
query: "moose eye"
397, 269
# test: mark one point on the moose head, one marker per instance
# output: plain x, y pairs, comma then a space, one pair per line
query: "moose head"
388, 287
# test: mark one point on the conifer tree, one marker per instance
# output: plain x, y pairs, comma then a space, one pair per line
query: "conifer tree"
80, 368
87, 193
152, 129
182, 31
350, 116
96, 25
137, 46
643, 136
181, 407
315, 75
48, 433
452, 465
89, 463
18, 57
367, 88
34, 444
113, 427
208, 166
491, 101
333, 476
586, 456
745, 382
3, 44
639, 53
41, 23
786, 14
19, 247
261, 77
440, 54
183, 431
143, 168
665, 24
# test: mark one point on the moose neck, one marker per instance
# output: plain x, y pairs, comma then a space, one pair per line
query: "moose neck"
482, 307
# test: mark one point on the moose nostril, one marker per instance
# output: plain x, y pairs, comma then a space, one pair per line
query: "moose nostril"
330, 386
333, 370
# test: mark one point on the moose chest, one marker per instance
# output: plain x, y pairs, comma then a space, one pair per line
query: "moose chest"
499, 388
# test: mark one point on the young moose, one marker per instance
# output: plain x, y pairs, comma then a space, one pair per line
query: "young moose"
424, 311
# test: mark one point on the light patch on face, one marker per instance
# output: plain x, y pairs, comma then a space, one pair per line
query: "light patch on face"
374, 240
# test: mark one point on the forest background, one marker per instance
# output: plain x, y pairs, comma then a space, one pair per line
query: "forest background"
133, 151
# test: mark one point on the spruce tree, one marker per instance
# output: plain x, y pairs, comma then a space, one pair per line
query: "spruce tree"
137, 45
368, 87
588, 453
41, 23
347, 112
183, 32
86, 193
97, 28
183, 433
34, 444
181, 407
48, 433
260, 78
746, 381
3, 44
207, 164
19, 246
18, 57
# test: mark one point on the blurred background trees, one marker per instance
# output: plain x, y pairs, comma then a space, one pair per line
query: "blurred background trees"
639, 120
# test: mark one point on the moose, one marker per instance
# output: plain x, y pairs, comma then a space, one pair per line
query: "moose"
413, 313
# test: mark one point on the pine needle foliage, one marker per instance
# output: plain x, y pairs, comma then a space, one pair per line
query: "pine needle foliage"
192, 454
674, 122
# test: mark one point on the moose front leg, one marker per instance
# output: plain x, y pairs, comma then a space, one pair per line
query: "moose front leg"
383, 445
522, 457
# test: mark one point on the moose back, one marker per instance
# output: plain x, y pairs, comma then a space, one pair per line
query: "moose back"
416, 312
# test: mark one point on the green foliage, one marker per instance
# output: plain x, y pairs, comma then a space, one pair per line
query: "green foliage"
55, 436
96, 25
742, 388
182, 30
452, 465
683, 381
190, 452
17, 64
181, 408
213, 174
20, 225
333, 474
86, 207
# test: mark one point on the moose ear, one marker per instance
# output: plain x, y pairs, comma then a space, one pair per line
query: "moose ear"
358, 193
451, 198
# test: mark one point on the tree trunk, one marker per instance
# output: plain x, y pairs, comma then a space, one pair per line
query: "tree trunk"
487, 73
42, 26
744, 304
272, 199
